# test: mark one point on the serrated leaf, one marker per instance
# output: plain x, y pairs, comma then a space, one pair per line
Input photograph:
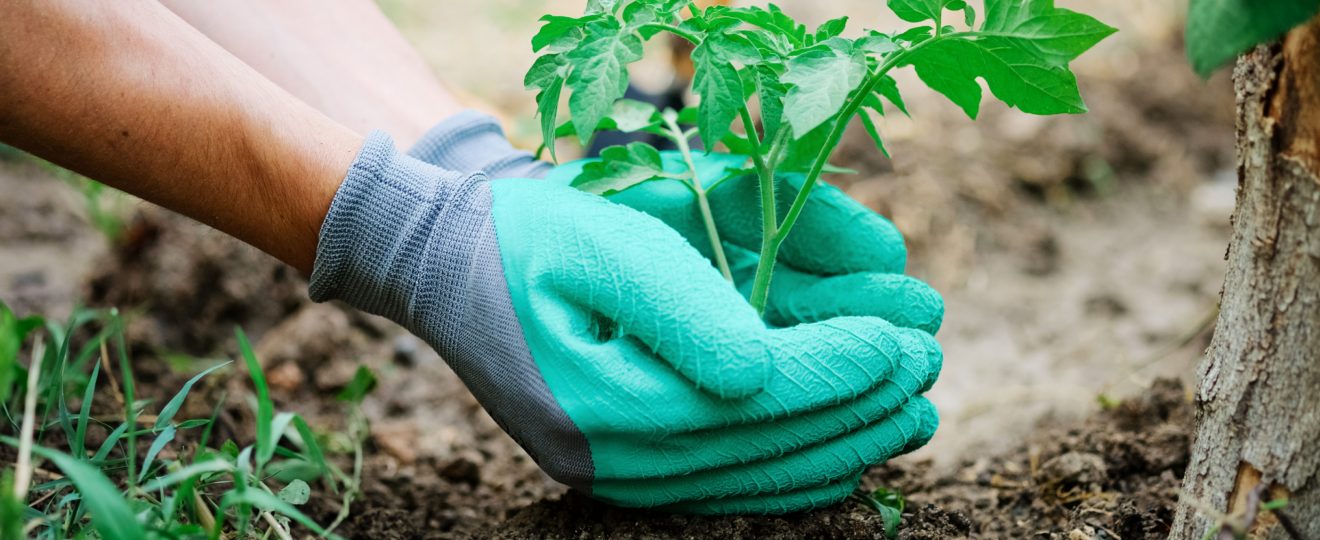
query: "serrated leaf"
547, 105
888, 88
820, 83
1218, 30
620, 168
600, 73
916, 35
1015, 75
770, 18
629, 115
873, 131
556, 28
721, 90
916, 11
544, 71
771, 92
876, 43
1057, 35
831, 28
734, 47
601, 6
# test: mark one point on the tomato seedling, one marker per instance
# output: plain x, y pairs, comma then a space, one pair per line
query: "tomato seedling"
806, 86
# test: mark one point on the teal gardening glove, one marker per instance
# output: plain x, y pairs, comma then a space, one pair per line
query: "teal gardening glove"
608, 347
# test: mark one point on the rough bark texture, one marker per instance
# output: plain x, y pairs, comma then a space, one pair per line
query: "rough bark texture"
1258, 405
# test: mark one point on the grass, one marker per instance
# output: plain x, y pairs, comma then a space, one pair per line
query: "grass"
93, 461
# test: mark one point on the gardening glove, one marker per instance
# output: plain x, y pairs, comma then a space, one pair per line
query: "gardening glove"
840, 259
608, 347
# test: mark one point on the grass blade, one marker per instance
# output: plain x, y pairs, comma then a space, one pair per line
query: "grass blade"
111, 514
167, 413
161, 440
85, 412
270, 503
195, 470
130, 406
265, 409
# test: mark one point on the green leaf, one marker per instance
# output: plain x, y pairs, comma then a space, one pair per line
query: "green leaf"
877, 43
547, 106
890, 504
167, 413
296, 493
916, 11
196, 470
157, 445
265, 408
821, 81
831, 28
620, 168
873, 131
601, 6
1059, 36
544, 71
1218, 30
888, 88
600, 73
629, 115
111, 514
771, 92
770, 18
270, 503
1015, 75
721, 90
969, 15
913, 36
556, 29
358, 388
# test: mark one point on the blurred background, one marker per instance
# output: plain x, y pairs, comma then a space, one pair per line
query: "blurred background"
1081, 257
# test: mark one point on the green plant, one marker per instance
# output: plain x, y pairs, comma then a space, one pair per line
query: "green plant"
94, 479
806, 86
1217, 30
890, 504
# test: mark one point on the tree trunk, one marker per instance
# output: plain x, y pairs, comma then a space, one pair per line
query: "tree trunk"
1258, 404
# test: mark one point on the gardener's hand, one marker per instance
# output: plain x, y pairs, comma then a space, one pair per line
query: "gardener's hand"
841, 259
612, 351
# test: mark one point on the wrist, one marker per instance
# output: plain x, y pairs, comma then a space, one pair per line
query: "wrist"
398, 233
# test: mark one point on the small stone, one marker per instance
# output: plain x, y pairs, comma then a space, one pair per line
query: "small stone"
1074, 468
286, 377
463, 471
398, 439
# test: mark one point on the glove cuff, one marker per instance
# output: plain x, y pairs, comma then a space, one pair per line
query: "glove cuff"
392, 215
474, 141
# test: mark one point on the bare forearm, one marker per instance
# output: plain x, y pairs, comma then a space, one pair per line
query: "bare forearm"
129, 94
345, 58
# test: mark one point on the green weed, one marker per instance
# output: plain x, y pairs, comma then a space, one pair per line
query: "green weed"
143, 471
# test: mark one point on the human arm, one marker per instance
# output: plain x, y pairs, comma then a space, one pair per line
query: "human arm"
345, 58
127, 93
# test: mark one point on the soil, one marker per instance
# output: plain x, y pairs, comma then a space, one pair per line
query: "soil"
1080, 257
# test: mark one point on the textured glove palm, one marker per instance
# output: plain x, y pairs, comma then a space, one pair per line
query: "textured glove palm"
609, 348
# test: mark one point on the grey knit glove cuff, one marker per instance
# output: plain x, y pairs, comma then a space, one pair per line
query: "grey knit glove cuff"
474, 141
392, 215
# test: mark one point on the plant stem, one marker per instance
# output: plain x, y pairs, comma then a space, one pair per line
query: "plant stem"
23, 469
841, 125
775, 232
680, 139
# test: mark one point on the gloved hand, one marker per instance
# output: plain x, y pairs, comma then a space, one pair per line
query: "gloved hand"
609, 348
841, 258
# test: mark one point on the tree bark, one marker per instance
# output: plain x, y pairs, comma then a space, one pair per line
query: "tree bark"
1258, 403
